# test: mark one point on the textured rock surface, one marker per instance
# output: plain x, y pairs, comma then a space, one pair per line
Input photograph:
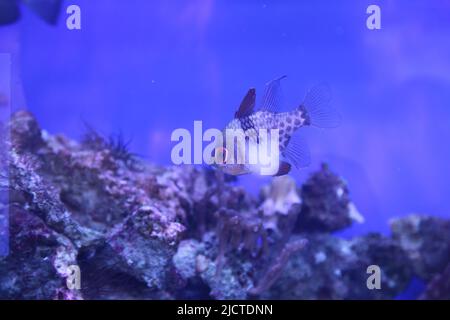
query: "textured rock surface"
139, 231
338, 268
427, 242
326, 205
36, 267
439, 286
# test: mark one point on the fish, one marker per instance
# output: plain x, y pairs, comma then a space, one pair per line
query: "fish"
47, 10
292, 149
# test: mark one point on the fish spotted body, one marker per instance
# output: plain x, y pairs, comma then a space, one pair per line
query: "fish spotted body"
286, 122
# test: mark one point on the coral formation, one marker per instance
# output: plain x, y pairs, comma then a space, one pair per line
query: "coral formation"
326, 205
439, 286
429, 254
141, 231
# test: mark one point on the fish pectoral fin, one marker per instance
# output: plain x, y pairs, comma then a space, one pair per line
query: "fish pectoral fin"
297, 151
283, 169
247, 104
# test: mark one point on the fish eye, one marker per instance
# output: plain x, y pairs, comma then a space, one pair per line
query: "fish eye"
221, 155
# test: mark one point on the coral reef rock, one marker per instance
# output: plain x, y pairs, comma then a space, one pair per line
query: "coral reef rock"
326, 205
426, 240
140, 231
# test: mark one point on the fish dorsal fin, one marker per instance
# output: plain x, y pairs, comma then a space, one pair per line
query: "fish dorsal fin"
272, 96
247, 104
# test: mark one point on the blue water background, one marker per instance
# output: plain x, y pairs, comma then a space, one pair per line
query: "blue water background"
146, 68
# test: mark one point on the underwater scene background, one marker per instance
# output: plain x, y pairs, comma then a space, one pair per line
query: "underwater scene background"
145, 68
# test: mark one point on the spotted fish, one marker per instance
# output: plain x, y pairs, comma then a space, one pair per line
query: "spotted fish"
315, 110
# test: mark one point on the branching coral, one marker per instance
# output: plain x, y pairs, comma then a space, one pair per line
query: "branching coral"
259, 232
239, 232
276, 268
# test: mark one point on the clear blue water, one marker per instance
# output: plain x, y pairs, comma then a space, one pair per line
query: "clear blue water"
146, 68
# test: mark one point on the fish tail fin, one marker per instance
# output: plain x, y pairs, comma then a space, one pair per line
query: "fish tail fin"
318, 111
